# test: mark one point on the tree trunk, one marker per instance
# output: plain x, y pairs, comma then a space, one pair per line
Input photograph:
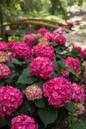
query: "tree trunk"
63, 10
53, 7
1, 23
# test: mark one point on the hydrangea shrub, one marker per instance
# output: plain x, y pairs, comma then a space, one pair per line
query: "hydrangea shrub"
41, 82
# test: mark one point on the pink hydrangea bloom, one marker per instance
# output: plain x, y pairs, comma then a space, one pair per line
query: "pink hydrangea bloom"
42, 31
84, 54
3, 46
42, 67
4, 57
55, 35
78, 48
85, 76
43, 39
73, 63
58, 92
11, 44
23, 122
4, 71
46, 51
49, 36
70, 23
29, 39
38, 36
61, 40
78, 95
33, 92
65, 73
10, 99
79, 109
22, 51
43, 44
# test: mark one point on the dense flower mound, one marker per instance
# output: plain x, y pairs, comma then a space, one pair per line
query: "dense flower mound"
22, 51
84, 54
61, 40
42, 31
43, 44
43, 39
29, 39
23, 122
46, 51
4, 57
12, 43
55, 35
10, 99
4, 71
33, 92
78, 95
38, 36
65, 73
49, 36
79, 49
42, 67
73, 63
3, 46
79, 109
58, 92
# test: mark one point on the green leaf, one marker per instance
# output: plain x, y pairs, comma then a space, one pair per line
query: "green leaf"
79, 125
17, 62
70, 70
26, 77
30, 106
70, 107
39, 103
48, 115
2, 121
55, 63
2, 83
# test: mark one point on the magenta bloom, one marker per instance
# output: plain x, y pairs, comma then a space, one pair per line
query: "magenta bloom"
65, 73
58, 92
42, 67
29, 39
84, 54
22, 51
23, 122
4, 71
73, 63
42, 31
10, 99
61, 40
33, 92
4, 57
70, 23
43, 44
11, 44
55, 35
79, 49
3, 46
46, 51
38, 36
78, 95
49, 36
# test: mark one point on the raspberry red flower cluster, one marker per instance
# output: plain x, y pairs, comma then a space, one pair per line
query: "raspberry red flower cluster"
23, 122
4, 71
11, 44
42, 67
29, 39
73, 63
46, 51
10, 99
42, 31
58, 92
22, 51
84, 54
60, 39
79, 49
48, 36
33, 92
4, 57
3, 46
78, 94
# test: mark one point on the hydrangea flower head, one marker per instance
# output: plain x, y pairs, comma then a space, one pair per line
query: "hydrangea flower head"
4, 57
61, 40
22, 51
23, 122
38, 36
83, 53
3, 46
42, 31
49, 36
79, 49
33, 92
43, 39
10, 99
29, 39
58, 91
78, 95
43, 44
12, 43
46, 51
4, 71
73, 63
42, 67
